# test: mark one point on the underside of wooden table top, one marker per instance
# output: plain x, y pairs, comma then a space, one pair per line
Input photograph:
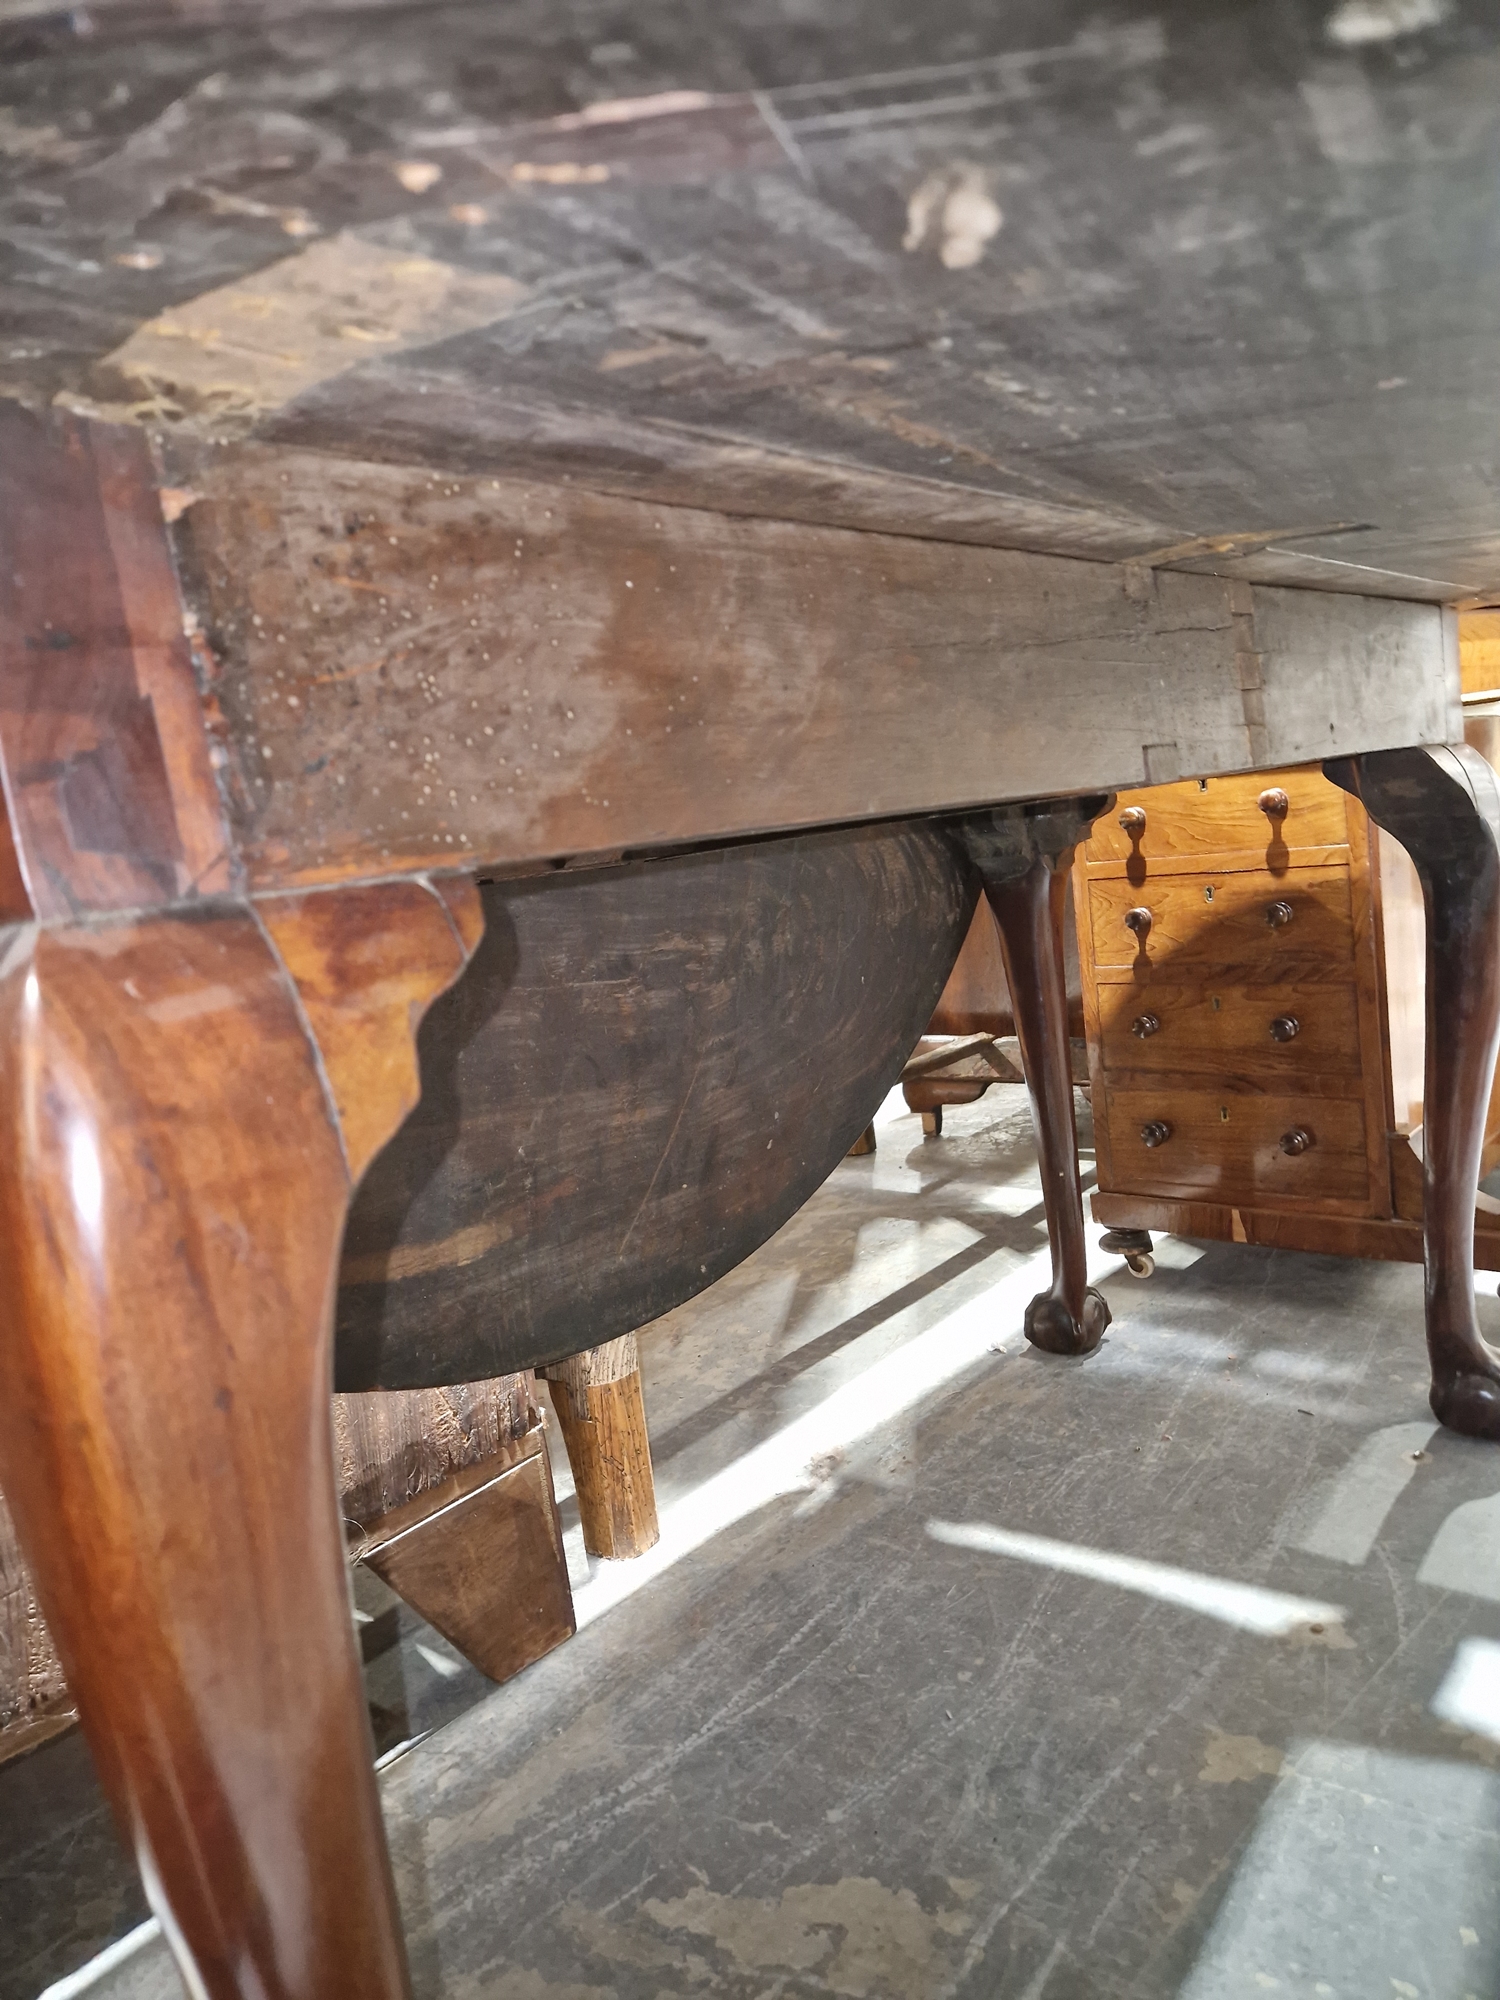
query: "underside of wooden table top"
511, 386
1203, 283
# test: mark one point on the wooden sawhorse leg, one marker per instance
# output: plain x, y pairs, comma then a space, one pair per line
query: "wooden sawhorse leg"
175, 1167
1443, 806
602, 1414
1023, 854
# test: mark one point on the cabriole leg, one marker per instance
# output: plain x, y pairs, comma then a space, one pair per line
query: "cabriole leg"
172, 1195
1443, 806
1023, 856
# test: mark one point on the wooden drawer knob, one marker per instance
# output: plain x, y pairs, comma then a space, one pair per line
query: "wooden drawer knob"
1278, 914
1274, 803
1133, 821
1157, 1133
1296, 1141
1145, 1025
1285, 1028
1138, 922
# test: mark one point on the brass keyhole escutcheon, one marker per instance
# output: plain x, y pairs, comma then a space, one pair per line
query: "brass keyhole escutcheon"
1298, 1140
1208, 893
1285, 1028
1217, 1003
1145, 1026
1223, 1114
1279, 914
1156, 1132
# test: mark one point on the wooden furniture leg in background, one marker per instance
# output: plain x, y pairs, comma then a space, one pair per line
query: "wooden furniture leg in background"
1023, 855
602, 1413
175, 1168
1443, 806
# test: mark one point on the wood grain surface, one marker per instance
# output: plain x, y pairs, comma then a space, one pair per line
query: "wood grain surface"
1221, 817
411, 671
645, 1071
111, 795
1392, 1239
395, 1448
609, 1449
1045, 278
367, 964
1220, 928
169, 1161
480, 1557
1227, 1145
1223, 1034
1444, 808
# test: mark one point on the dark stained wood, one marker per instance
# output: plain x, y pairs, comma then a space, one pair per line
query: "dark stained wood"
645, 1071
412, 671
480, 1556
601, 1410
724, 264
112, 798
1444, 808
169, 1162
1023, 859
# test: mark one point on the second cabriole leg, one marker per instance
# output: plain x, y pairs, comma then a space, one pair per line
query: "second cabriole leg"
1443, 806
1023, 857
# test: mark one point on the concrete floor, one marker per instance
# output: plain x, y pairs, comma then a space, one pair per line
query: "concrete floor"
963, 1671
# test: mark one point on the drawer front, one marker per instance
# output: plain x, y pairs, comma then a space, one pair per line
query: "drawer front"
1222, 815
1228, 1149
1219, 926
1265, 1035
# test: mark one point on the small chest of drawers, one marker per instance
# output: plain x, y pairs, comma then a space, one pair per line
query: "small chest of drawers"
1251, 955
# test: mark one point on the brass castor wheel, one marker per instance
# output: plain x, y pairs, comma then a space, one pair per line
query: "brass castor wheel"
1134, 1245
